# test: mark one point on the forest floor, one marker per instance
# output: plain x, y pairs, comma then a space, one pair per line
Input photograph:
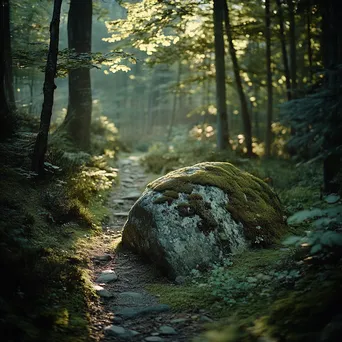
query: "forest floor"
126, 310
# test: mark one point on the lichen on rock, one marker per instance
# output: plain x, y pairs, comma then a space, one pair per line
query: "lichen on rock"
193, 216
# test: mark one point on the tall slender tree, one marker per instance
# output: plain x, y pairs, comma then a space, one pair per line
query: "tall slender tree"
222, 116
284, 50
269, 79
175, 100
6, 86
78, 119
8, 56
243, 102
49, 88
293, 47
309, 37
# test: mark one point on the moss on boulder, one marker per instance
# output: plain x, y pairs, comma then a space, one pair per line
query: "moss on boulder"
251, 201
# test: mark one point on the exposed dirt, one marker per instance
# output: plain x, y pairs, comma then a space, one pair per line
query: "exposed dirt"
129, 294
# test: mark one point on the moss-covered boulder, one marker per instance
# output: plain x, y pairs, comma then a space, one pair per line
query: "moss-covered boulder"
194, 216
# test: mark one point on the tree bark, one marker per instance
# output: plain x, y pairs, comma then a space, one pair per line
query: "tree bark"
243, 102
222, 116
269, 80
78, 119
49, 88
284, 51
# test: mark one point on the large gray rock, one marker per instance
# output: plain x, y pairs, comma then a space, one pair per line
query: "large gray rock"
193, 216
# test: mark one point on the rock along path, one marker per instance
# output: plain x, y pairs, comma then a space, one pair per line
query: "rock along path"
126, 311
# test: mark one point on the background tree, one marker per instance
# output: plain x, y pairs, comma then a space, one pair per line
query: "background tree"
317, 117
222, 116
243, 102
78, 118
282, 38
49, 88
269, 79
293, 46
7, 103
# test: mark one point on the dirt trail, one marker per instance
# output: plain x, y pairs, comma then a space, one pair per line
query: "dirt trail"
126, 311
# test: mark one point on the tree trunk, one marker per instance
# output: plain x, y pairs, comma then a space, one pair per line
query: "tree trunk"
222, 116
284, 51
8, 57
243, 102
78, 119
175, 100
49, 88
6, 85
332, 59
293, 47
269, 79
308, 37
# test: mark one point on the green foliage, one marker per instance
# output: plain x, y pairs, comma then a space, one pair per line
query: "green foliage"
303, 314
324, 239
104, 136
317, 121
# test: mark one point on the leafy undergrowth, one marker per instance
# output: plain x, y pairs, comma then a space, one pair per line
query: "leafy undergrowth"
46, 227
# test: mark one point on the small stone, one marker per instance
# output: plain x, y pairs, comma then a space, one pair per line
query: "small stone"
107, 276
178, 320
194, 317
167, 330
127, 180
104, 257
155, 334
131, 312
154, 339
117, 330
133, 332
117, 319
102, 292
119, 201
124, 214
134, 195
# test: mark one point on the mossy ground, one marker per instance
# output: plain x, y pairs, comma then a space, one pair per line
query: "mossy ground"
289, 313
45, 235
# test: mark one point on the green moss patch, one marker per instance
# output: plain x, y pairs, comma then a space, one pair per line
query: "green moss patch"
183, 298
251, 201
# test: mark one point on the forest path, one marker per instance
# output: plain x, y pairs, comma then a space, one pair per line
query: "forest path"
126, 311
